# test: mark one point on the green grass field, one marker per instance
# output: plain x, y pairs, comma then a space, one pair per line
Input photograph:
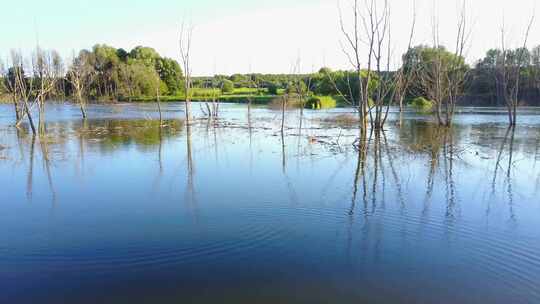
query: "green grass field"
242, 95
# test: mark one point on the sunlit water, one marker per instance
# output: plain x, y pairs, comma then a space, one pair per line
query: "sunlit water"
113, 210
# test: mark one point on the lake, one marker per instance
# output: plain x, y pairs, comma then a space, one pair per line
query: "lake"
117, 210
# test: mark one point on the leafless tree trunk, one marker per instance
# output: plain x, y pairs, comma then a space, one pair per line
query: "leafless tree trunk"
379, 32
212, 109
47, 68
353, 52
443, 79
80, 75
404, 77
186, 35
371, 28
456, 75
23, 88
508, 74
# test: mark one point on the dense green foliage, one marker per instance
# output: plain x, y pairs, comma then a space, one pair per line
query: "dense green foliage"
119, 74
425, 65
331, 83
482, 81
480, 86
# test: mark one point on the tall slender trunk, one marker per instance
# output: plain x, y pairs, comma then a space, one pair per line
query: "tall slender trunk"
159, 108
27, 110
82, 106
283, 107
17, 109
438, 112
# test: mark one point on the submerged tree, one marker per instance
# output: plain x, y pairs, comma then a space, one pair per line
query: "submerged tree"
80, 76
47, 70
372, 29
440, 76
441, 73
352, 50
186, 35
23, 89
405, 75
509, 65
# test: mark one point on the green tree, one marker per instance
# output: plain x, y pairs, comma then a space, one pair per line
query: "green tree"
148, 56
106, 64
272, 88
227, 86
171, 74
424, 62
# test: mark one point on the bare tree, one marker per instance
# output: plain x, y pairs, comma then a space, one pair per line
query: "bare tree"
508, 73
23, 88
81, 75
379, 32
186, 35
443, 77
457, 71
47, 70
405, 75
372, 29
212, 108
352, 49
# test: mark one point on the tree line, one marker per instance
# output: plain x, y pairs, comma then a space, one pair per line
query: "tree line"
441, 77
115, 74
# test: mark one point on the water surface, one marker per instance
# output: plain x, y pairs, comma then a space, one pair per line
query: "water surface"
117, 210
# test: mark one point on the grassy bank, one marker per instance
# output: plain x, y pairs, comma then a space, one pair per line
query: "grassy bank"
245, 95
257, 99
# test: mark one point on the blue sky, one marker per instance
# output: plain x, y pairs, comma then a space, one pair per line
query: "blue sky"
240, 35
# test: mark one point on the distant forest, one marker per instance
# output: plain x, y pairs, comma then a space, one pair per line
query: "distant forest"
112, 74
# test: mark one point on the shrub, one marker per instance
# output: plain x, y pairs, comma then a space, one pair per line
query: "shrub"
227, 86
321, 102
422, 104
272, 88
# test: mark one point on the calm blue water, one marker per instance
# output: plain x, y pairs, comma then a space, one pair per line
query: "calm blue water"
115, 210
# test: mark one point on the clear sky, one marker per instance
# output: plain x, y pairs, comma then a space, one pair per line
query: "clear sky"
245, 35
